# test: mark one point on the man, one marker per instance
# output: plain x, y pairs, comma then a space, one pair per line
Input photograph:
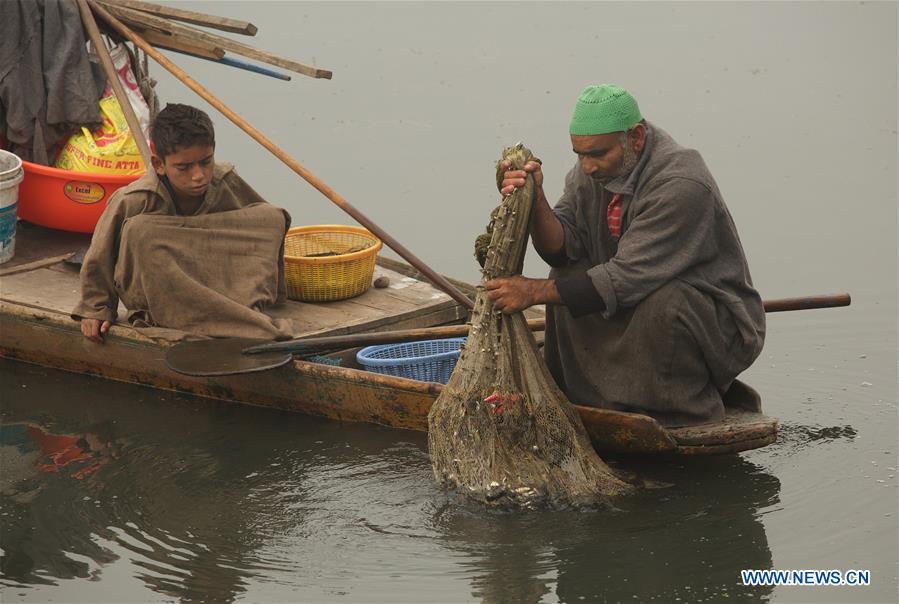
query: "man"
188, 246
650, 305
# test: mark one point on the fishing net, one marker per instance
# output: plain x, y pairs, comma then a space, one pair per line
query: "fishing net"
501, 430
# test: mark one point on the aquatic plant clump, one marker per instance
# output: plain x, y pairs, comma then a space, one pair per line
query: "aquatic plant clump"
502, 431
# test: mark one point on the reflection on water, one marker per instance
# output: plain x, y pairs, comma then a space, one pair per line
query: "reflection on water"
199, 501
687, 541
174, 494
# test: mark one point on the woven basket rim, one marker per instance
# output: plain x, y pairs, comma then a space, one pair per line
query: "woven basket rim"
363, 358
373, 249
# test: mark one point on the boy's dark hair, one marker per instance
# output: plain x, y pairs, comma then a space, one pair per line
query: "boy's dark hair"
180, 126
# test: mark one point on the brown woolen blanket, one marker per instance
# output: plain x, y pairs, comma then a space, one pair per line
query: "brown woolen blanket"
207, 275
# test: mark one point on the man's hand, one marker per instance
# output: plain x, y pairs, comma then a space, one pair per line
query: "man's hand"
514, 294
514, 179
94, 330
546, 230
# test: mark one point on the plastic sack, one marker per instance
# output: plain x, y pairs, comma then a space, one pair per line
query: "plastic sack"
110, 149
121, 60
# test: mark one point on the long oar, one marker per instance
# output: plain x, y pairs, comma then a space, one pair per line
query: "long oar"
806, 303
432, 276
227, 356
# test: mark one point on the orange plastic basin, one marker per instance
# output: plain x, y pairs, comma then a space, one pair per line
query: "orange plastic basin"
64, 200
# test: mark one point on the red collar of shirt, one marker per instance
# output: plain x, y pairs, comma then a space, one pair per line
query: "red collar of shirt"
613, 215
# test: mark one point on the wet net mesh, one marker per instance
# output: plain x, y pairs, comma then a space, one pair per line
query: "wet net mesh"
502, 431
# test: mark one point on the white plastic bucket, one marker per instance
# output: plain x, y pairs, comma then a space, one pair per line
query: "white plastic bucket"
11, 174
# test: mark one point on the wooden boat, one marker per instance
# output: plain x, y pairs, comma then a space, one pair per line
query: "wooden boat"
38, 288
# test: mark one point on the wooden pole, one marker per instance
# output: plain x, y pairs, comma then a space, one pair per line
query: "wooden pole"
144, 20
189, 16
438, 280
133, 123
807, 302
232, 62
460, 331
179, 44
324, 343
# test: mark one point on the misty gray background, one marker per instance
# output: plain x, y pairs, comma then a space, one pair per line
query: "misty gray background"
793, 106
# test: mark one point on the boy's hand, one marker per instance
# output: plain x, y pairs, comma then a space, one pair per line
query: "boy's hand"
94, 330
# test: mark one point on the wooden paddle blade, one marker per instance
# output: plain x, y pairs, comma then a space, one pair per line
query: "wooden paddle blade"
221, 357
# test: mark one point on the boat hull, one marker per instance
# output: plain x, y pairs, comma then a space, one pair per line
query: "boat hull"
50, 338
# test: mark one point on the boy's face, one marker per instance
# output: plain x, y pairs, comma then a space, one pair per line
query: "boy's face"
189, 169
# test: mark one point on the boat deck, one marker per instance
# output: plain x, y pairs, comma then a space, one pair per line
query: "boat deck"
43, 273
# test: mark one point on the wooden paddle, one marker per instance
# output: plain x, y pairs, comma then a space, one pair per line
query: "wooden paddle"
227, 356
438, 280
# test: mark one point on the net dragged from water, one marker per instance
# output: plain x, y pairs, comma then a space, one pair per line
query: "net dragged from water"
501, 431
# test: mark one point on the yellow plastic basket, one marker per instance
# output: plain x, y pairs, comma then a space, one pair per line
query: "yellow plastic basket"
328, 262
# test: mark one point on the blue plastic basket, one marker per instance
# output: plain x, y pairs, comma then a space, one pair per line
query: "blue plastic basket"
427, 361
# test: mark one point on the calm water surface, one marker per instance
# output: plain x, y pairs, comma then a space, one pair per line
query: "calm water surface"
114, 493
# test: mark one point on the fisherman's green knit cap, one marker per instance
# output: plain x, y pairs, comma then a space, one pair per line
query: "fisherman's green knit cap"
603, 109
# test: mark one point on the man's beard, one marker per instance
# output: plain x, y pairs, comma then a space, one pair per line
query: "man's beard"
629, 159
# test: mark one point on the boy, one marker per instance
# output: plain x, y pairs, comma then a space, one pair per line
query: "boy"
172, 245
